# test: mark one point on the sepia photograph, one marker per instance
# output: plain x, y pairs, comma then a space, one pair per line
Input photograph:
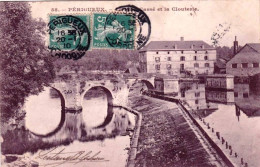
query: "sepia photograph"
130, 83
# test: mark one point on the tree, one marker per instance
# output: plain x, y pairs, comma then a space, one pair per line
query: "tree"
226, 52
102, 59
25, 64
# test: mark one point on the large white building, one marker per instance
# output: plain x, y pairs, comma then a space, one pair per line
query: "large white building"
176, 57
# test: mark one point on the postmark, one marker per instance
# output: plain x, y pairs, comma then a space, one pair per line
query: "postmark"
143, 24
113, 30
69, 36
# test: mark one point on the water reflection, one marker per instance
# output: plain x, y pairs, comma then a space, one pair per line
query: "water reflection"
247, 99
43, 111
193, 94
96, 111
199, 98
98, 124
48, 118
216, 96
235, 114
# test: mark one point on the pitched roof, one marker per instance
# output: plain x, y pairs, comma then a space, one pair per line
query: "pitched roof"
255, 46
248, 57
132, 70
176, 45
221, 63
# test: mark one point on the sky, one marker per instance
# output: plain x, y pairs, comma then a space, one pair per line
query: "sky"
242, 16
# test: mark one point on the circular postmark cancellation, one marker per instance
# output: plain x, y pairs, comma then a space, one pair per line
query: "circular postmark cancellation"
120, 30
143, 25
69, 36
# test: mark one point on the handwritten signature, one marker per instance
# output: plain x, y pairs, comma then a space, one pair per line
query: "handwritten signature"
61, 157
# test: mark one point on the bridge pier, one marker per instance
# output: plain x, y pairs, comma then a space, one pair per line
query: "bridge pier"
73, 92
72, 125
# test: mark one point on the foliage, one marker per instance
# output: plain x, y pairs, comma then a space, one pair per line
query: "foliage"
25, 65
226, 52
22, 141
105, 59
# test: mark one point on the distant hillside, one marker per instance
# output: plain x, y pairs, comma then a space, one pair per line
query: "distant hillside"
102, 59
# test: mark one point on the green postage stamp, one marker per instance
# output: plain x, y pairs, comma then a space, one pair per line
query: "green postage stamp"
69, 33
113, 31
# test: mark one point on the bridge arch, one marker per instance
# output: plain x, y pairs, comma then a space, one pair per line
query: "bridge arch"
62, 120
147, 83
109, 112
62, 98
59, 88
107, 91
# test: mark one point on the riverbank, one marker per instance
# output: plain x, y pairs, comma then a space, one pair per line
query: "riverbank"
166, 138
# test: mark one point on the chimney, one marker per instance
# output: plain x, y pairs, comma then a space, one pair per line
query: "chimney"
182, 38
235, 46
203, 46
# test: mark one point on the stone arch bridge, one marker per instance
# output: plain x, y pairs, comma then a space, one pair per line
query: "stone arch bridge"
72, 91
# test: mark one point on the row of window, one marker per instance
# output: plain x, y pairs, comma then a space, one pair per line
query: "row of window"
197, 65
245, 95
245, 65
197, 94
182, 58
183, 52
169, 66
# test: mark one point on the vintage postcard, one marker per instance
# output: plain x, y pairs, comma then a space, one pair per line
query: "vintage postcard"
130, 83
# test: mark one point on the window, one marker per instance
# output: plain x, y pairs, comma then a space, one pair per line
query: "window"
196, 101
236, 94
168, 52
256, 65
206, 52
157, 52
195, 51
234, 65
196, 64
182, 67
157, 59
197, 94
182, 52
195, 57
244, 65
169, 58
245, 95
205, 57
168, 66
157, 66
206, 64
182, 58
182, 93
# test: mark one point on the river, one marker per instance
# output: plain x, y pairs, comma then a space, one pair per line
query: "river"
99, 131
235, 114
